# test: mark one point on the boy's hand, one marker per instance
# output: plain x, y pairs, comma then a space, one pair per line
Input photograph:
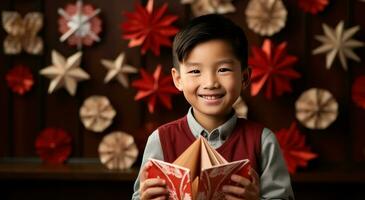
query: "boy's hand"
245, 189
152, 188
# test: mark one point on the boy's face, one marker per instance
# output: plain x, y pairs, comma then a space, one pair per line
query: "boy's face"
210, 78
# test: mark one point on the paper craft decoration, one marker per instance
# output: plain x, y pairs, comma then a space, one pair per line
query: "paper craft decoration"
296, 152
199, 172
265, 17
312, 6
271, 69
156, 87
149, 28
118, 69
240, 108
117, 150
97, 113
203, 7
65, 72
79, 24
53, 145
338, 42
316, 108
358, 91
22, 33
20, 79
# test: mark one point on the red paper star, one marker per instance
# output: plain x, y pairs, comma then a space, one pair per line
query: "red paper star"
155, 87
358, 91
149, 28
20, 79
312, 6
292, 144
53, 145
271, 67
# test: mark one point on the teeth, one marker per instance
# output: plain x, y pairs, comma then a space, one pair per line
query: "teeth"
211, 97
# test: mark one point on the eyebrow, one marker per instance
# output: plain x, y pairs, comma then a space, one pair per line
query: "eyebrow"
223, 61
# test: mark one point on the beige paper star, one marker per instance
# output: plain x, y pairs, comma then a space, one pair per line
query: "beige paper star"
118, 69
65, 73
338, 42
203, 7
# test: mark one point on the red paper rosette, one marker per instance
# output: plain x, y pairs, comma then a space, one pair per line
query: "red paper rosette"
293, 147
271, 69
20, 79
155, 87
53, 145
358, 91
149, 28
312, 6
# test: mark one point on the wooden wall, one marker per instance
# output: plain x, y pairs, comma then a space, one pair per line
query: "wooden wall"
341, 147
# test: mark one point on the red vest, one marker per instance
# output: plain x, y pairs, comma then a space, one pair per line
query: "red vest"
244, 142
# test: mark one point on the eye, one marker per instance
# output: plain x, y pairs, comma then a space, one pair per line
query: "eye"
195, 71
224, 69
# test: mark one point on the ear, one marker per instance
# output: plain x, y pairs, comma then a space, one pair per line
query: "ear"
246, 77
176, 78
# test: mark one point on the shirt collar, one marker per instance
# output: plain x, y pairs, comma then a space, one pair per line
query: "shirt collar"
223, 130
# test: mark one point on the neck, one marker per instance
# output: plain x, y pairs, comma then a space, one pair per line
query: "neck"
210, 122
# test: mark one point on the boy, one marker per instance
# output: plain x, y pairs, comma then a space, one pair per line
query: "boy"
210, 68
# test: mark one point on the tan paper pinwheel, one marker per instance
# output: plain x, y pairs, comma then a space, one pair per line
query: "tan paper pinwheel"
118, 69
117, 150
338, 42
97, 113
240, 108
266, 17
22, 33
65, 72
316, 108
203, 7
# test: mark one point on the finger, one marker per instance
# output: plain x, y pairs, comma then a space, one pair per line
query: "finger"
152, 182
160, 198
240, 180
255, 177
154, 192
231, 197
235, 190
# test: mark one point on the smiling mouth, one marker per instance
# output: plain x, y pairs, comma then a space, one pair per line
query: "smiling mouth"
211, 97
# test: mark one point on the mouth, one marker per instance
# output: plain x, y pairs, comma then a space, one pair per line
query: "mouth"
211, 97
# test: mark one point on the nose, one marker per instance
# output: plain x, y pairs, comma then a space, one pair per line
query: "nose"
211, 81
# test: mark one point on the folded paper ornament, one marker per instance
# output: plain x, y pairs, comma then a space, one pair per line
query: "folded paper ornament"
20, 79
117, 150
316, 108
203, 7
199, 172
312, 6
358, 91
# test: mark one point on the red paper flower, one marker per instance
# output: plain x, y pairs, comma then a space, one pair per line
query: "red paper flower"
312, 6
53, 145
149, 28
358, 91
271, 67
20, 79
155, 87
292, 144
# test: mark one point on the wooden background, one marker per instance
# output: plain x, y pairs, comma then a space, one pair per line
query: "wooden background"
341, 147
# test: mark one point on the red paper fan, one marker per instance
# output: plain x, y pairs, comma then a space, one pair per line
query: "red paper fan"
271, 69
155, 87
53, 145
149, 28
20, 79
358, 91
292, 144
312, 6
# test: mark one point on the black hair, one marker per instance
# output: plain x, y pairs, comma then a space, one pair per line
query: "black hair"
206, 28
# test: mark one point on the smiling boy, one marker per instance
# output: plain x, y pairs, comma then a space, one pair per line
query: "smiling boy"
210, 68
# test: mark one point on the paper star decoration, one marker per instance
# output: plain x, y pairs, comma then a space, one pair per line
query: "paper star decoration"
155, 87
312, 6
271, 69
149, 28
117, 150
266, 17
296, 152
22, 33
203, 7
79, 24
118, 69
20, 79
338, 42
65, 73
358, 91
316, 108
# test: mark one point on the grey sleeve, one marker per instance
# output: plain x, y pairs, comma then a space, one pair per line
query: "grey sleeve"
275, 179
153, 149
